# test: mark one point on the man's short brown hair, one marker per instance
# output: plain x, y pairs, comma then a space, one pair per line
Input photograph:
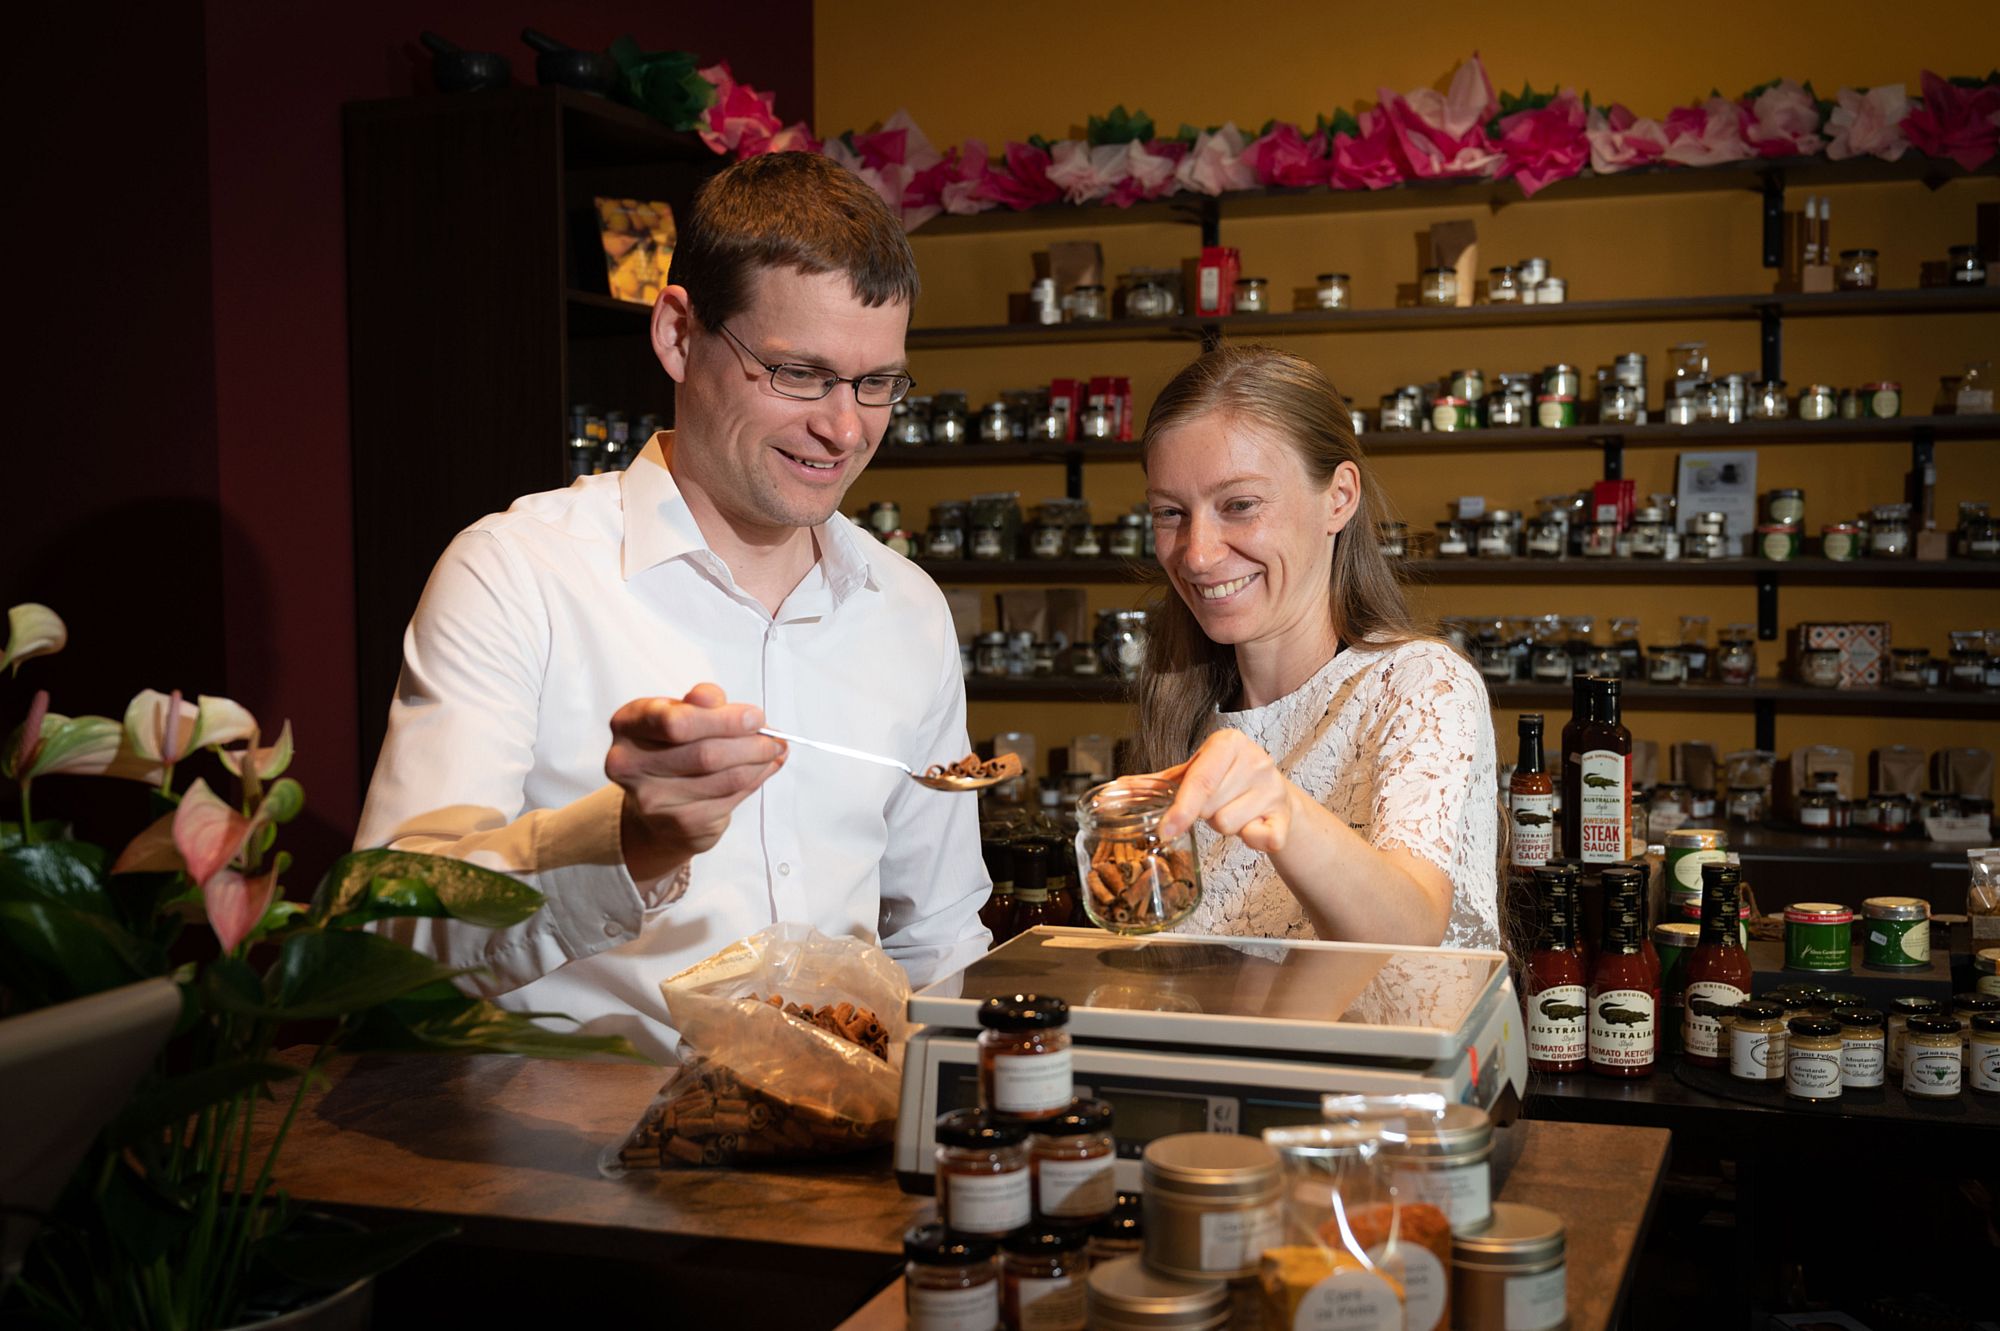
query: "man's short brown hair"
790, 210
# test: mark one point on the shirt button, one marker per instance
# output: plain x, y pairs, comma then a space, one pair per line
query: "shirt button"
612, 931
785, 869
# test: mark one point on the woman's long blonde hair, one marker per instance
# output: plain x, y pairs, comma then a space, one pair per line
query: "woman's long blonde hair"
1188, 675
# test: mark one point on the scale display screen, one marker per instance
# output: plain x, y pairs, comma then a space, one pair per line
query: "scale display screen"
1232, 992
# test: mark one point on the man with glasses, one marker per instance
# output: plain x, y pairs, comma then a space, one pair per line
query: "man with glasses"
710, 591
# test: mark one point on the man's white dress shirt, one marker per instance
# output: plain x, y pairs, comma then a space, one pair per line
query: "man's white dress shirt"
538, 623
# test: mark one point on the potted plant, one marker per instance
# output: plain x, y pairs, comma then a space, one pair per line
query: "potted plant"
172, 1221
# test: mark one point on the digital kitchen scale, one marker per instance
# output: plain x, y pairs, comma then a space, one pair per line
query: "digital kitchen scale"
1187, 1033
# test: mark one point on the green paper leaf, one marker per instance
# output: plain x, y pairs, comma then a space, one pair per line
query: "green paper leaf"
1119, 126
458, 889
1342, 121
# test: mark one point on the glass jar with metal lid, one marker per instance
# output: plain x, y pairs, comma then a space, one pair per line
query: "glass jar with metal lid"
1042, 1271
1561, 380
948, 418
1532, 272
1128, 536
946, 537
1967, 671
1900, 1012
1971, 1004
1499, 530
1965, 266
1649, 533
1882, 401
1125, 1295
1454, 539
1149, 294
1551, 291
1024, 1053
1119, 1234
907, 425
1736, 397
1394, 539
1331, 293
1863, 1047
1089, 303
1503, 285
1757, 1042
1121, 639
1909, 667
1896, 933
1437, 286
1819, 402
1812, 1058
1620, 404
1933, 1064
1979, 537
949, 1280
1512, 1275
1889, 531
1708, 536
1210, 1204
1446, 1161
1253, 295
1096, 422
1468, 384
1986, 965
1982, 1054
1769, 401
1547, 536
1398, 411
1840, 541
1736, 654
1785, 506
982, 1173
1072, 1159
996, 424
1856, 270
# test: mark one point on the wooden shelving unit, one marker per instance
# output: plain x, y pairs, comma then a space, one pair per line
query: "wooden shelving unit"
1813, 572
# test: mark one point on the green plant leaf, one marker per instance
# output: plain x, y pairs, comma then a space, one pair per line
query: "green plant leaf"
144, 1223
51, 953
68, 872
331, 1261
463, 891
442, 1020
229, 985
46, 829
334, 972
172, 1100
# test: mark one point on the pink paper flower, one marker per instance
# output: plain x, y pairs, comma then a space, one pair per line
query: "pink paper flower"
1869, 124
964, 193
1083, 173
1620, 140
1545, 145
1706, 134
1782, 121
1369, 161
796, 137
742, 121
1215, 164
1023, 179
1285, 156
1954, 122
1443, 135
1149, 171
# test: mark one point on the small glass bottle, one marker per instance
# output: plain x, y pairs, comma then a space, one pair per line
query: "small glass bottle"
983, 1184
1073, 1158
1718, 974
1625, 985
949, 1280
1024, 1055
1757, 1042
1863, 1047
1932, 1064
1042, 1279
1033, 903
998, 912
1900, 1012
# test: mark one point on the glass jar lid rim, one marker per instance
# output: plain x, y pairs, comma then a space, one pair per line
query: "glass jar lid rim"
1325, 277
1929, 1025
1976, 1002
1082, 1117
1813, 1026
1517, 1233
1018, 1012
974, 1128
1760, 1009
932, 1244
1031, 1241
1986, 1021
1915, 1006
1857, 1016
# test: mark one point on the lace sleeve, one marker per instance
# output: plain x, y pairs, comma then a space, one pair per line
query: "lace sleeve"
1427, 755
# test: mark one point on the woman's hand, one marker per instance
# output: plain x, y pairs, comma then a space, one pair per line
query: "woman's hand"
1232, 785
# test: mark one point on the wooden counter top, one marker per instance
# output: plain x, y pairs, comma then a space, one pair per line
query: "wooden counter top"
509, 1148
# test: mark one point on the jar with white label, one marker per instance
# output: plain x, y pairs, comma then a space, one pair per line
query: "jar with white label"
1498, 532
1511, 1276
1073, 1159
1124, 1295
1209, 1204
1933, 1066
1253, 295
1024, 1057
1331, 290
1982, 1054
1757, 1042
1889, 531
1454, 540
1503, 285
1856, 271
1901, 1010
1042, 1279
1437, 286
950, 1281
1446, 1161
1863, 1047
983, 1184
1813, 1058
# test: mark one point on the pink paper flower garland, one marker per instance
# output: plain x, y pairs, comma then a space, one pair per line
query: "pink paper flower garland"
1424, 134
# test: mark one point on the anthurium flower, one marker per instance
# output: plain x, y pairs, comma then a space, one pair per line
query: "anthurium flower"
209, 832
165, 728
236, 904
48, 743
32, 630
266, 764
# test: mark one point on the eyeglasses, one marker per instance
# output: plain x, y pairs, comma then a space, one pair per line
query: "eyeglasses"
810, 383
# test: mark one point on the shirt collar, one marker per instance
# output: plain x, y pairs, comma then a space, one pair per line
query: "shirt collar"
659, 526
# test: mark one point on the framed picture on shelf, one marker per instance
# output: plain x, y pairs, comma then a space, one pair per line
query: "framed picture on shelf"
638, 238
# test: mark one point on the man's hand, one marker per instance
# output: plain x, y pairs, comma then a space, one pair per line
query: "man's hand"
685, 764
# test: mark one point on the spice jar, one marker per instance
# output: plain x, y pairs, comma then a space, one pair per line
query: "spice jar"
1736, 655
1819, 667
1840, 541
1394, 539
1253, 295
1453, 413
1779, 543
1818, 937
1757, 1042
1503, 285
1856, 270
1072, 1158
1889, 531
949, 1280
1024, 1057
1818, 402
1882, 401
1089, 304
1497, 532
1125, 1295
1896, 933
1134, 882
1454, 540
1785, 507
1982, 1058
1209, 1202
1897, 1026
1665, 665
1119, 1234
1399, 410
1968, 660
1768, 401
1620, 404
1649, 533
1932, 1064
1863, 1047
1812, 1058
1909, 667
1331, 292
1437, 286
1551, 291
1532, 272
983, 1185
1446, 1161
1511, 1276
1979, 537
1042, 1279
1986, 961
1967, 269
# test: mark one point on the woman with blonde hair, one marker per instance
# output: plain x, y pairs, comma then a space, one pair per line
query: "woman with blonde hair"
1337, 765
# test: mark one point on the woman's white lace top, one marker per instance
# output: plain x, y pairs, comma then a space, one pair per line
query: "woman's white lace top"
1398, 742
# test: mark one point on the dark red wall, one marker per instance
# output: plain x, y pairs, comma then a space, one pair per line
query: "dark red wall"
176, 481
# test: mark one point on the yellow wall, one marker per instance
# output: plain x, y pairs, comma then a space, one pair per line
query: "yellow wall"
963, 71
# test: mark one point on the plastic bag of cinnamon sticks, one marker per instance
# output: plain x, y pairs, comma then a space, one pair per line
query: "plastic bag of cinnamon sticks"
791, 1048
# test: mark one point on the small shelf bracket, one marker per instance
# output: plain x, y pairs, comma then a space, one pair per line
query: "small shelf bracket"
1922, 480
1774, 219
1767, 607
1765, 712
1771, 342
1073, 475
1614, 456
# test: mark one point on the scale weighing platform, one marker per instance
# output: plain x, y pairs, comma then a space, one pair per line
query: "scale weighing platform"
1187, 1033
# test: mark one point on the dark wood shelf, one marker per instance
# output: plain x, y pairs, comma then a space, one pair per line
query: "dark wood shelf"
594, 314
1669, 309
1778, 843
1798, 173
596, 132
1797, 572
998, 455
1794, 699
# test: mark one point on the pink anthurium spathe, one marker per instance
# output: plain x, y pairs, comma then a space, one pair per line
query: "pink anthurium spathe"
209, 832
235, 904
32, 630
153, 850
49, 744
266, 764
165, 728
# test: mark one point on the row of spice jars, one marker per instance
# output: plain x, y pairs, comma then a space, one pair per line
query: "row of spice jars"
1017, 415
1973, 665
1117, 648
1552, 649
1821, 808
1505, 533
1860, 269
994, 527
1818, 1053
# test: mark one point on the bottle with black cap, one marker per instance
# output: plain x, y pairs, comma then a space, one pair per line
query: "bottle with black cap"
998, 912
1024, 1056
1042, 1277
949, 1280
